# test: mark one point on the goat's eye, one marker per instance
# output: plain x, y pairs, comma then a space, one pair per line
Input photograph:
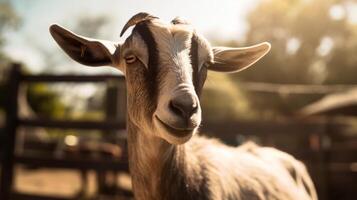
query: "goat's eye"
130, 59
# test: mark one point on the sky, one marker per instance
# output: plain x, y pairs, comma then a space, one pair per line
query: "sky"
214, 19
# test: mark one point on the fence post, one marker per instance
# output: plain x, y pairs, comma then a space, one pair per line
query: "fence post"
114, 110
115, 105
7, 171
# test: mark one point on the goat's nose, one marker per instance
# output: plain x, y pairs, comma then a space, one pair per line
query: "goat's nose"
184, 105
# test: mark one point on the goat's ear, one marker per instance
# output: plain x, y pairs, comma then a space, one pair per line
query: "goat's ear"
84, 50
232, 60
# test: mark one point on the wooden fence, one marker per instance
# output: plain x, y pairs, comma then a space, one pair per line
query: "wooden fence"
330, 155
328, 148
13, 121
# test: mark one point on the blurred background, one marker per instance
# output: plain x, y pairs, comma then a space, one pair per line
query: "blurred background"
300, 98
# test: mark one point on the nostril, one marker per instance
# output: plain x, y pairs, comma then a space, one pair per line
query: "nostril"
175, 107
183, 107
194, 109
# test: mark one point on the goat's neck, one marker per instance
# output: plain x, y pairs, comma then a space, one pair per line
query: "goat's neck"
149, 157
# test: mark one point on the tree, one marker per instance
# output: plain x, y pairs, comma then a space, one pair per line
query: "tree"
8, 20
305, 37
56, 63
313, 42
41, 99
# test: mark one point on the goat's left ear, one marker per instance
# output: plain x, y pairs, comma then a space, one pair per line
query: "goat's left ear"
232, 60
87, 51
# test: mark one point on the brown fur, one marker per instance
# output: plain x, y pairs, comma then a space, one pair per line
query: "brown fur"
165, 162
205, 169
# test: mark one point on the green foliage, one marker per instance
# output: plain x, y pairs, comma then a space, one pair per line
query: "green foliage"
221, 100
308, 26
310, 45
8, 19
45, 102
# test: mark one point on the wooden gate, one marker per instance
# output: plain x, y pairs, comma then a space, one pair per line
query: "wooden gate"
13, 121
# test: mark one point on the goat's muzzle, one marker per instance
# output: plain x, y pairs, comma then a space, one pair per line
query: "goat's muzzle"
180, 118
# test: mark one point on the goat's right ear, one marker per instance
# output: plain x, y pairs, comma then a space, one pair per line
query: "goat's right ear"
86, 51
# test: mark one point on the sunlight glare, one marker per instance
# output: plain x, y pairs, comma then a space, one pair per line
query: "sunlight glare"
71, 140
325, 46
337, 12
292, 45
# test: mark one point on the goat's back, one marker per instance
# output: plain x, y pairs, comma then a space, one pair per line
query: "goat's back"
252, 172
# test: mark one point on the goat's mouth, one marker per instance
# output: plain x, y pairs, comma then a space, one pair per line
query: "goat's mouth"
176, 132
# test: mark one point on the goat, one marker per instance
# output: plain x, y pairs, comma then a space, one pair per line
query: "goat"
165, 66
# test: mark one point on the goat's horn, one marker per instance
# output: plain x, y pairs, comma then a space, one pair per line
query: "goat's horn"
140, 17
179, 20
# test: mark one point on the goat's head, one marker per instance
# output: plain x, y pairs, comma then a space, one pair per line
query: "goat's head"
165, 65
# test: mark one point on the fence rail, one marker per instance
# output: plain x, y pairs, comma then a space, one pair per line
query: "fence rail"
302, 89
69, 78
297, 127
88, 125
13, 121
47, 161
329, 163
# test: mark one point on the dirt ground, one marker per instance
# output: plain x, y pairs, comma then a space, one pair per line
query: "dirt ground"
59, 182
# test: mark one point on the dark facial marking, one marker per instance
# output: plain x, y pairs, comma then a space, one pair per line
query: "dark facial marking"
151, 76
194, 62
